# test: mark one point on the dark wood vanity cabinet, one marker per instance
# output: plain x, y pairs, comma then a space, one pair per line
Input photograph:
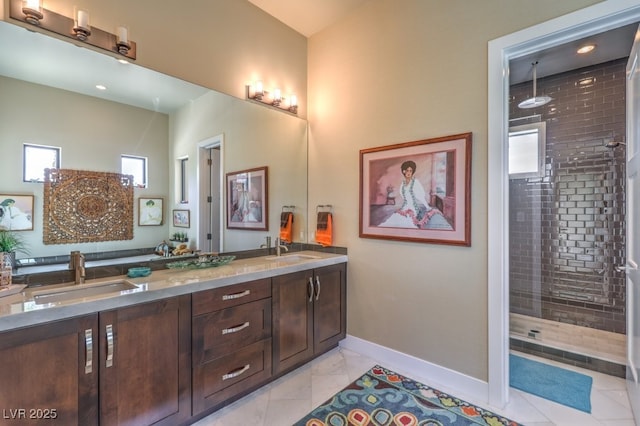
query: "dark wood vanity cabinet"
309, 315
173, 360
145, 363
231, 342
124, 366
49, 373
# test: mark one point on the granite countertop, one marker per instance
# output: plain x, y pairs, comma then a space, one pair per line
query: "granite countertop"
22, 310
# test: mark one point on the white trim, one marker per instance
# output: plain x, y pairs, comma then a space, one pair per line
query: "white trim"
439, 377
600, 17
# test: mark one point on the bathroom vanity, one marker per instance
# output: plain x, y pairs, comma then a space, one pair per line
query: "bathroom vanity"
178, 346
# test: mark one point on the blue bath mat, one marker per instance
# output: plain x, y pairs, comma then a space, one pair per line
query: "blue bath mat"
555, 384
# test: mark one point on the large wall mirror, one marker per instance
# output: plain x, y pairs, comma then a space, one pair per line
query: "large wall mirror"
48, 97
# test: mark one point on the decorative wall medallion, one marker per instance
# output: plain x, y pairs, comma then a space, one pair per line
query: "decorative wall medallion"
83, 206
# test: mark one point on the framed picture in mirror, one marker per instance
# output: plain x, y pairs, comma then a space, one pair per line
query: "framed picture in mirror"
16, 212
150, 211
181, 218
417, 191
247, 200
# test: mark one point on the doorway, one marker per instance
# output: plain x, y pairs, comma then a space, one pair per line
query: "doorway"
595, 19
210, 167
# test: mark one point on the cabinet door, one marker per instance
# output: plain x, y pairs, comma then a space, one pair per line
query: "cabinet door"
49, 373
329, 307
145, 365
292, 320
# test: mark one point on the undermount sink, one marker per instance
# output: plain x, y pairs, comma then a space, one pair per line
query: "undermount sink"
80, 291
292, 257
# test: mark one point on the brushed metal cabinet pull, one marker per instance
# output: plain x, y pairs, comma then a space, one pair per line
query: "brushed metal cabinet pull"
88, 348
317, 287
236, 373
235, 329
110, 346
236, 295
310, 289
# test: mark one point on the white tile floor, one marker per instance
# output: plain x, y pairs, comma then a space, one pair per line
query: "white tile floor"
291, 397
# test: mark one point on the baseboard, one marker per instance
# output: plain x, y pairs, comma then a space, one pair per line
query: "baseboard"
442, 378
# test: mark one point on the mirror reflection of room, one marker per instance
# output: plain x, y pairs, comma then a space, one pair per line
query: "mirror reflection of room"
114, 130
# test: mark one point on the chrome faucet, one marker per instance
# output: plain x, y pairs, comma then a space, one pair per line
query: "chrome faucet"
76, 263
280, 247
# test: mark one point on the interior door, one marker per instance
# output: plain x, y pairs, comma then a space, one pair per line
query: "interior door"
633, 226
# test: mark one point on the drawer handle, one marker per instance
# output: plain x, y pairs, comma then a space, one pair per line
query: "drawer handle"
109, 361
235, 329
236, 295
236, 373
310, 289
88, 346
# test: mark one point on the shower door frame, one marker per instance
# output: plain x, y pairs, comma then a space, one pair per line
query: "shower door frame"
594, 19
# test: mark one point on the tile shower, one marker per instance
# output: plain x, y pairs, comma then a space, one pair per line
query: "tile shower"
567, 228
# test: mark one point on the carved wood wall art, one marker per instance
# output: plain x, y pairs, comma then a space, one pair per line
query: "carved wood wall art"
83, 206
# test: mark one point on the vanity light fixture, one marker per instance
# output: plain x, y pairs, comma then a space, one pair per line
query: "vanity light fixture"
77, 28
82, 28
32, 10
122, 40
274, 98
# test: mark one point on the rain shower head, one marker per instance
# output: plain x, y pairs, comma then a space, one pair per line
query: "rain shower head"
535, 101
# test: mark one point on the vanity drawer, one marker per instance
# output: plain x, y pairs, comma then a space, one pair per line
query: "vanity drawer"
216, 381
222, 332
228, 296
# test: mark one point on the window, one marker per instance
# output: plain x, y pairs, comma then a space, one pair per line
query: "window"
526, 150
184, 184
137, 167
36, 158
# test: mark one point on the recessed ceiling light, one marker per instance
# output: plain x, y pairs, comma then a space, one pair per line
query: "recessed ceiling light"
586, 48
101, 87
123, 61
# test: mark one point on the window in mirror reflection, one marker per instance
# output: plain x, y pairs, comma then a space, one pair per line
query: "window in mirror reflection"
36, 158
137, 167
182, 179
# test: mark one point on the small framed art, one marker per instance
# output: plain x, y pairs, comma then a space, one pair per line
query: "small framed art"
247, 200
150, 211
181, 218
16, 212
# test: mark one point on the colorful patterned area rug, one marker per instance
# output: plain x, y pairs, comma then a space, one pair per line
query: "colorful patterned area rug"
382, 397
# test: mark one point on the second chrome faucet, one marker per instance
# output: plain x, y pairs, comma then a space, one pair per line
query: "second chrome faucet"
280, 246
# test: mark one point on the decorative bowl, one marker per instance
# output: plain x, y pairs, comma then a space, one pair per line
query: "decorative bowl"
139, 272
201, 263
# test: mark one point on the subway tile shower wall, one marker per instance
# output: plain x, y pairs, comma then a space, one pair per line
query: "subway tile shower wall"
567, 229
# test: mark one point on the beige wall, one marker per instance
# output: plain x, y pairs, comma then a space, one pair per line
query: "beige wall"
92, 134
398, 71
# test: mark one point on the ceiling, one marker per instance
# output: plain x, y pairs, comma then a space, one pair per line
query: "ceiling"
610, 45
308, 16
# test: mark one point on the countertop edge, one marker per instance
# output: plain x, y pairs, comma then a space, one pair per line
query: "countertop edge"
12, 321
